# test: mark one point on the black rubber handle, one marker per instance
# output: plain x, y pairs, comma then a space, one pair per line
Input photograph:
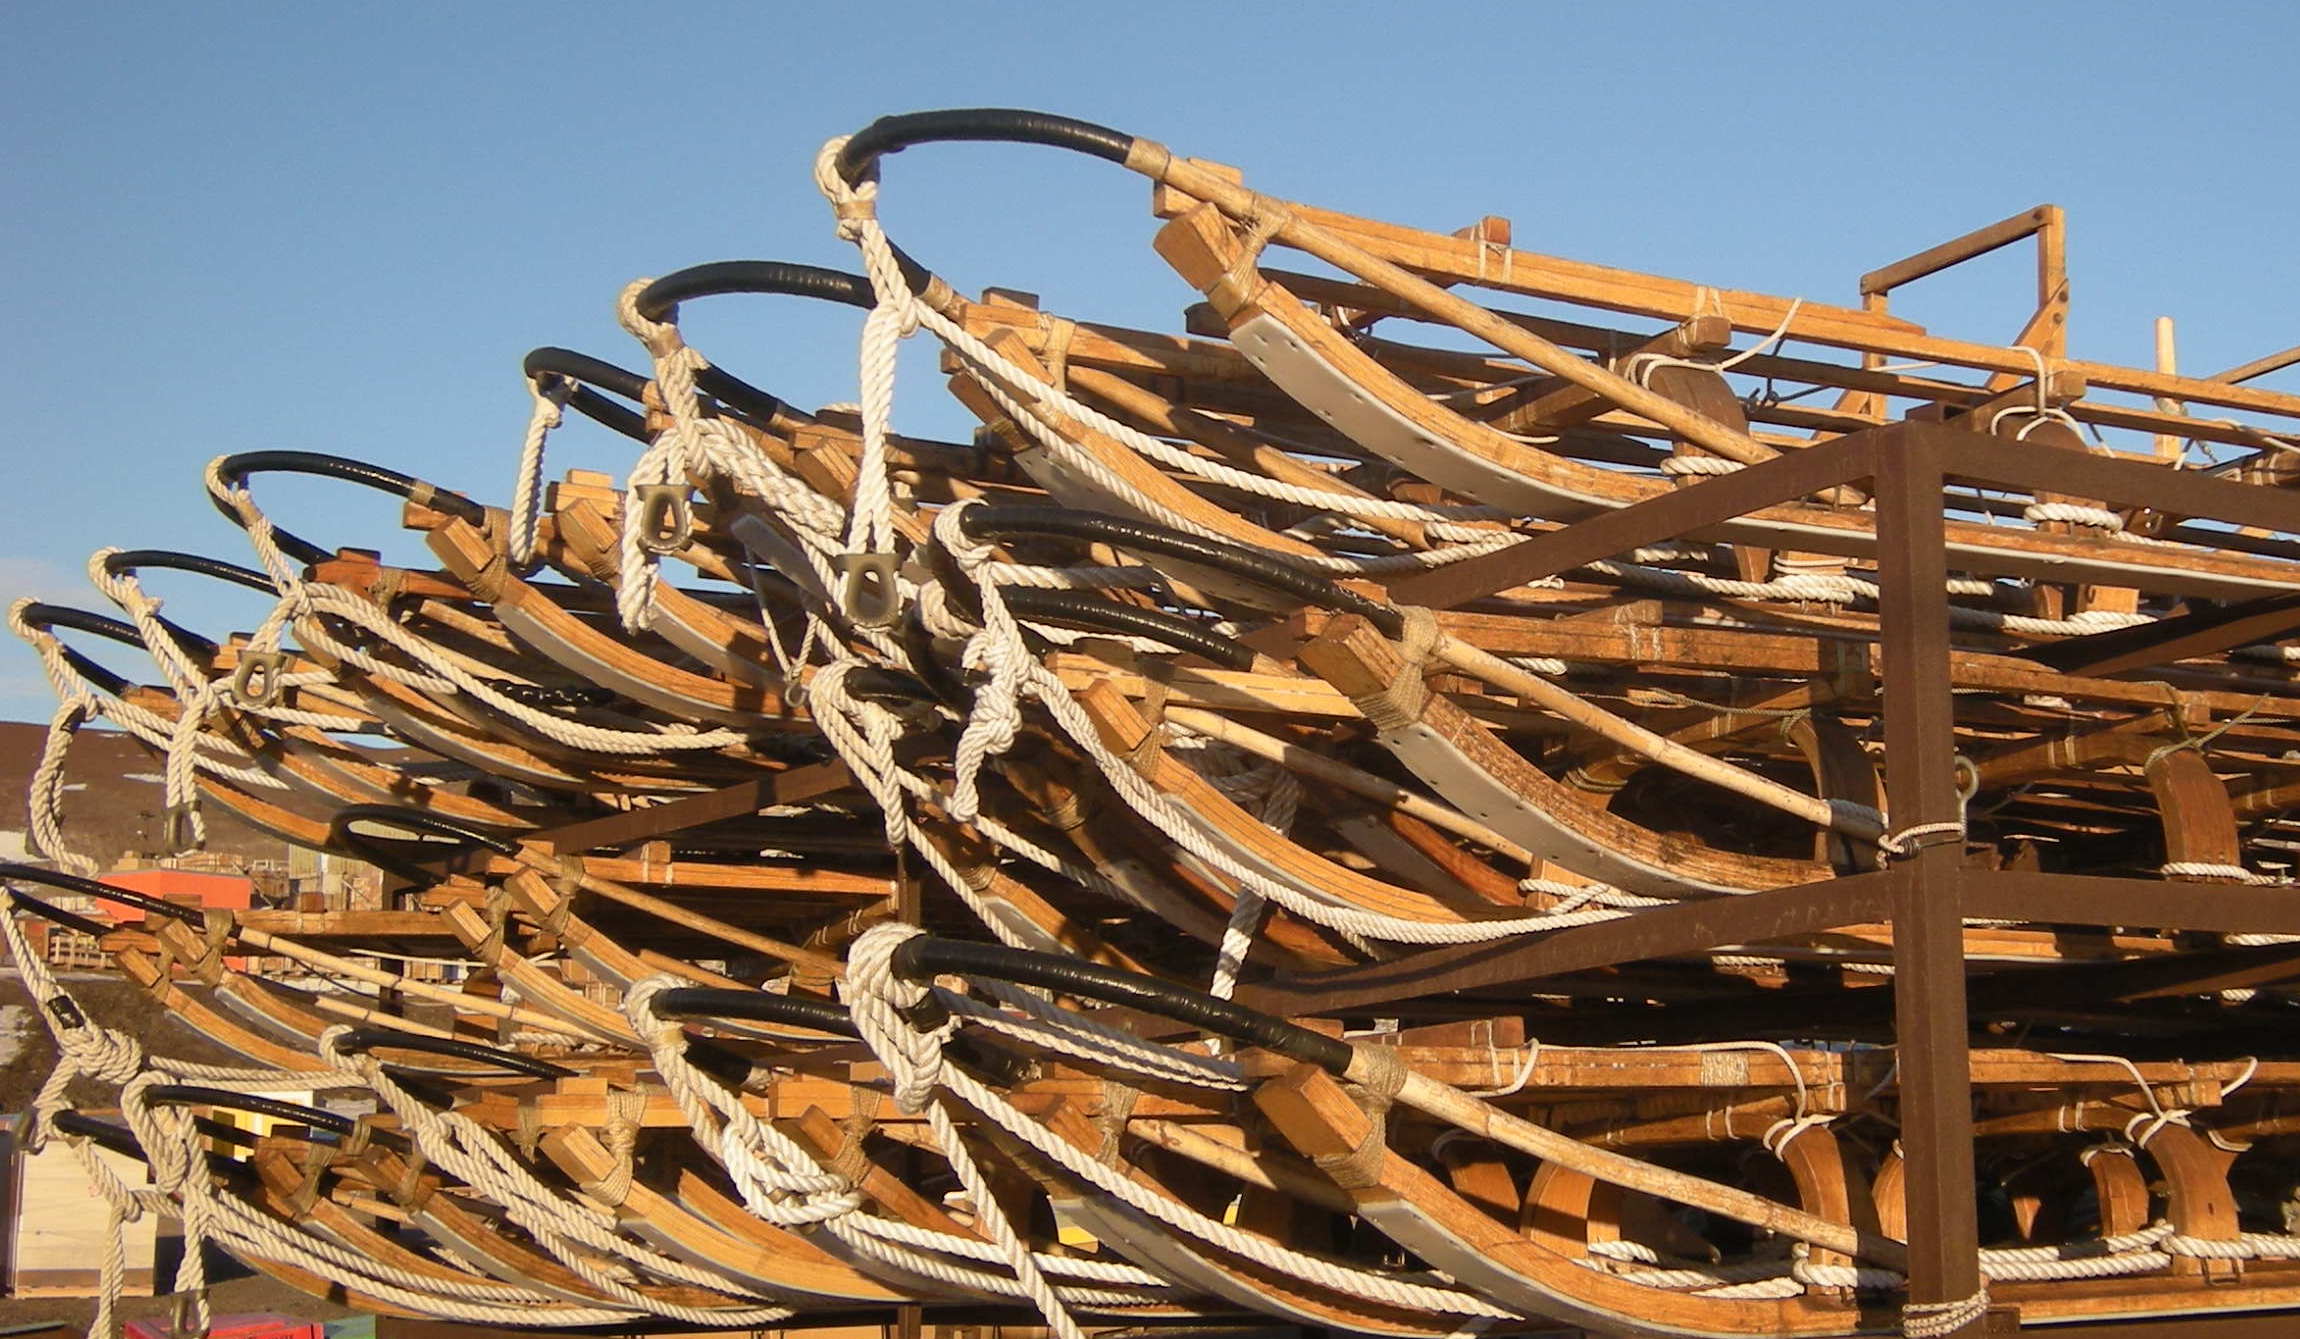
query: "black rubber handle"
1003, 125
199, 564
925, 957
133, 561
379, 851
755, 1006
235, 469
364, 1039
551, 360
70, 920
192, 1094
74, 883
1258, 566
657, 299
122, 1141
119, 1139
1091, 613
585, 372
879, 683
44, 617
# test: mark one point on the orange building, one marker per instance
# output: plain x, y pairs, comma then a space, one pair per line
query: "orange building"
190, 888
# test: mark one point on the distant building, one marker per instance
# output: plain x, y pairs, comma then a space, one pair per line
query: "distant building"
114, 813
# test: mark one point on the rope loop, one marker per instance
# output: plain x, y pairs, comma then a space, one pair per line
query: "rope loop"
880, 1001
1936, 1320
1906, 842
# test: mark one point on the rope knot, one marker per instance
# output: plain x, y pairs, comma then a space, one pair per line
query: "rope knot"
101, 1052
1419, 638
1906, 842
880, 1001
1934, 1320
950, 534
639, 1006
661, 338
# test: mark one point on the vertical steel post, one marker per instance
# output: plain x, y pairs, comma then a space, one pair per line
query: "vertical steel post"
1928, 925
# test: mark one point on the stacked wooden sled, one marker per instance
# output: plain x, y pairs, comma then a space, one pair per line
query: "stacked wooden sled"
1460, 791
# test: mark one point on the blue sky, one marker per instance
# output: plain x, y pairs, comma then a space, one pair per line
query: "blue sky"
338, 227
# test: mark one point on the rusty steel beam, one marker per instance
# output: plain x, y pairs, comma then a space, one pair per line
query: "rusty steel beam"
1965, 457
1666, 516
2084, 899
2260, 1325
1929, 1006
2116, 481
2203, 633
1659, 933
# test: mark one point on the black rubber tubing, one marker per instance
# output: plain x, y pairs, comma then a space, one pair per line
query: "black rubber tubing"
192, 1094
44, 616
553, 361
584, 372
377, 850
86, 887
925, 957
1091, 613
1258, 566
364, 1039
880, 683
756, 1006
659, 299
128, 561
131, 562
1007, 125
117, 1138
236, 468
70, 920
940, 679
121, 1140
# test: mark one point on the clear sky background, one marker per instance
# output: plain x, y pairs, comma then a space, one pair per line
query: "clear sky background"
338, 226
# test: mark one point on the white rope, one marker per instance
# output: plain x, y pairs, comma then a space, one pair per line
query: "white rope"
913, 1060
915, 1065
46, 790
527, 493
562, 1226
1936, 1320
1641, 365
1711, 466
1028, 400
771, 1169
172, 1140
2206, 869
2076, 513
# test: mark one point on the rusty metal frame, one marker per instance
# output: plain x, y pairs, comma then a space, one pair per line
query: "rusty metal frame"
1926, 895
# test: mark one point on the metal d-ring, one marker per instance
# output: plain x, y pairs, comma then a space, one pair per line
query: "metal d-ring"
177, 831
870, 595
1968, 777
256, 681
666, 522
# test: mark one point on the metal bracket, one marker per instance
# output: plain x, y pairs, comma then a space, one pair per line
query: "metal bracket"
177, 833
666, 523
256, 680
870, 596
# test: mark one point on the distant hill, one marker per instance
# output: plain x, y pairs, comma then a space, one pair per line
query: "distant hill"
114, 812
